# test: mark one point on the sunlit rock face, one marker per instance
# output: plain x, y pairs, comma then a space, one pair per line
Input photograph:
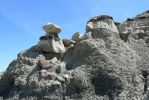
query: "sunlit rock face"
103, 21
109, 62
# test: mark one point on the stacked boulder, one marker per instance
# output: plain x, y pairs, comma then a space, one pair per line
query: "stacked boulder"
51, 42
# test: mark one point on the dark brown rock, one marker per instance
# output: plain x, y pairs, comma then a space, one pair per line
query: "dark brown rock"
44, 64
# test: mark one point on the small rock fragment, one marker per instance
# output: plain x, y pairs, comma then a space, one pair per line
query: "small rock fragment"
56, 83
61, 68
54, 60
60, 79
51, 76
44, 64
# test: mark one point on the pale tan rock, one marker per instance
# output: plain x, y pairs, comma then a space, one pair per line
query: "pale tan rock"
52, 46
51, 42
51, 28
77, 36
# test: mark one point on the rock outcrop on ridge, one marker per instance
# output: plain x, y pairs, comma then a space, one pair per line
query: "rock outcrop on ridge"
109, 62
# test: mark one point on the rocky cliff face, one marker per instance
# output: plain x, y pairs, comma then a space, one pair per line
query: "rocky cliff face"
112, 64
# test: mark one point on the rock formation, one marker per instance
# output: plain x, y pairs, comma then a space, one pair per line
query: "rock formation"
109, 62
51, 42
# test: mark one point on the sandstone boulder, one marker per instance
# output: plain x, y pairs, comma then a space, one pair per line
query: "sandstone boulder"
50, 28
77, 37
51, 42
50, 45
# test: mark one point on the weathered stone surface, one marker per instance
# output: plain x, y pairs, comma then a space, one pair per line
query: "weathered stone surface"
54, 60
51, 46
68, 42
51, 29
99, 22
77, 36
52, 65
51, 42
138, 37
110, 64
44, 64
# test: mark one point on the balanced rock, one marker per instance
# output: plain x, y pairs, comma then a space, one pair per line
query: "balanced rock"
51, 42
51, 28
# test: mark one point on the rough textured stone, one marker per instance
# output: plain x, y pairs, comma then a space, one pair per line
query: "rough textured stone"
51, 29
51, 46
110, 64
44, 64
99, 22
51, 42
77, 36
68, 42
53, 60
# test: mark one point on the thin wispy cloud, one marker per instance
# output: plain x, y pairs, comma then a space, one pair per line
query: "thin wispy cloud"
20, 23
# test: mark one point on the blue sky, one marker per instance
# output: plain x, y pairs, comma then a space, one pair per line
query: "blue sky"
21, 21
